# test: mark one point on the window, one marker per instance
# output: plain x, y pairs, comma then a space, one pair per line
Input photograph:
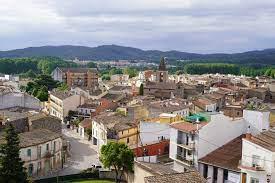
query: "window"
38, 166
30, 169
39, 152
54, 146
255, 160
189, 153
215, 174
47, 147
254, 180
192, 137
128, 140
29, 152
205, 171
225, 174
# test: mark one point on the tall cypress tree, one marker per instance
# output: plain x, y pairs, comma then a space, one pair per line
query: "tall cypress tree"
141, 89
11, 165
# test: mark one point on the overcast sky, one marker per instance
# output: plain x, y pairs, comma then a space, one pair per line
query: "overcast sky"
202, 26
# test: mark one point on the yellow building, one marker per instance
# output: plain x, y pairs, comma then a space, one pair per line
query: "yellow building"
128, 135
169, 118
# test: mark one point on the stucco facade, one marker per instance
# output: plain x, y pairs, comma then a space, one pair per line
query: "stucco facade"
18, 99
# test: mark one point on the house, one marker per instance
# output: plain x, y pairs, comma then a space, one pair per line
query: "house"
233, 111
258, 158
260, 93
41, 151
158, 148
203, 104
171, 106
83, 126
73, 77
63, 102
190, 141
89, 93
121, 79
113, 126
145, 169
87, 109
169, 118
118, 89
11, 99
218, 98
185, 177
152, 131
221, 165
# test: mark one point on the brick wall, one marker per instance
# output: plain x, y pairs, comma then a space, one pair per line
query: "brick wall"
160, 148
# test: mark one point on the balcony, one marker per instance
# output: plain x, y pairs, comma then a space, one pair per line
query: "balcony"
49, 154
250, 166
190, 146
184, 160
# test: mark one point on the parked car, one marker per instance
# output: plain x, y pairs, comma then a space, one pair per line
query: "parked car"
96, 166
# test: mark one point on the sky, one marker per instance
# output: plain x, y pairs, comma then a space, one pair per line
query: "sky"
200, 26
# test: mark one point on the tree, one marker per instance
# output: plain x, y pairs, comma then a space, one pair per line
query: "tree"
89, 132
118, 156
141, 89
130, 71
11, 165
42, 94
63, 87
92, 65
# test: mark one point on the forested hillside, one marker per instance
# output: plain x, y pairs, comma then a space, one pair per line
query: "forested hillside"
114, 52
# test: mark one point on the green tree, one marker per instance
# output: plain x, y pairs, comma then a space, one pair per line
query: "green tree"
92, 65
11, 165
63, 87
130, 71
42, 94
118, 156
89, 132
141, 89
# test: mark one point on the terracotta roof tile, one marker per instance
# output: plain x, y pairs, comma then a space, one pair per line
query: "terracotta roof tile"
227, 156
187, 127
186, 177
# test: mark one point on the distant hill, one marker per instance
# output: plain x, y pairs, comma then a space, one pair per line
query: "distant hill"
115, 52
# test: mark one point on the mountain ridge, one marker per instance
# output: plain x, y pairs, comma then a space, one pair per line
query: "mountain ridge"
116, 52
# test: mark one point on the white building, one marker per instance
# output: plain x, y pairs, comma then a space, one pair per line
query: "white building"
258, 158
153, 132
18, 99
63, 102
41, 151
190, 142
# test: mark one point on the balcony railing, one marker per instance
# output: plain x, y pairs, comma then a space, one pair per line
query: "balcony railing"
250, 166
49, 154
189, 146
184, 160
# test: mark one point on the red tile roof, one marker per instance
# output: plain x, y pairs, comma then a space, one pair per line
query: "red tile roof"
226, 156
187, 127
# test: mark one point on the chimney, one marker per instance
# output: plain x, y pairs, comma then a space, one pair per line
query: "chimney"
248, 134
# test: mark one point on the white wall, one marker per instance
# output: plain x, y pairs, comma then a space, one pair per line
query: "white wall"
152, 131
267, 161
34, 159
19, 99
219, 131
100, 133
71, 103
257, 120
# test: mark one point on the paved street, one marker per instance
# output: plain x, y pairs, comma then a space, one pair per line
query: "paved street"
83, 153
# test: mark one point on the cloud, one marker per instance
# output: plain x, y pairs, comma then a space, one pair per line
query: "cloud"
187, 25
